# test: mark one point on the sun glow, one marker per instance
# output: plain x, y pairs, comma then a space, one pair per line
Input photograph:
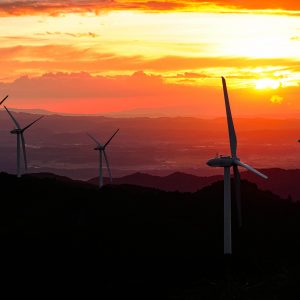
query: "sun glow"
267, 83
185, 52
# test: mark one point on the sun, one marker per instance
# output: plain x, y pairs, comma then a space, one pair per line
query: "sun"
267, 83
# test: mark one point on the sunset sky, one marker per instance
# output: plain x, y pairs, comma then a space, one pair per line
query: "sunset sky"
108, 56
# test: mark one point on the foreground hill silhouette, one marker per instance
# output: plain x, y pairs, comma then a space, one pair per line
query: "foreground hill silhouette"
150, 244
284, 183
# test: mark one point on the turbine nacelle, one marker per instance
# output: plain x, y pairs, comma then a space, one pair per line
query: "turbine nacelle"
223, 161
16, 131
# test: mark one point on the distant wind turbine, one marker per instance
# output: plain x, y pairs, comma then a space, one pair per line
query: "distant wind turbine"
101, 148
226, 163
20, 140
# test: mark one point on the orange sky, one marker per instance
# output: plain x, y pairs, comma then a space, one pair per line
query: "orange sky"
101, 56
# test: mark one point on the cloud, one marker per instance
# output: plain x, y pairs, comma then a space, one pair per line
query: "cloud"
83, 85
258, 4
36, 60
53, 58
83, 93
276, 99
181, 63
53, 7
75, 35
190, 75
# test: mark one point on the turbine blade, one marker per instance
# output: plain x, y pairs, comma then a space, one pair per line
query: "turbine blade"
12, 117
111, 138
97, 142
24, 151
108, 168
250, 169
231, 130
31, 123
3, 99
237, 182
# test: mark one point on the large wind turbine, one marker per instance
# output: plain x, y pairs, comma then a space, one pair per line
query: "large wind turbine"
227, 162
20, 140
101, 148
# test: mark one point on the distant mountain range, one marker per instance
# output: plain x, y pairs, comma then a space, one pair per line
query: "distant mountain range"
134, 113
38, 111
157, 146
177, 181
284, 183
166, 112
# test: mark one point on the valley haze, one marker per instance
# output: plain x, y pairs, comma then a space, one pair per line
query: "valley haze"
158, 146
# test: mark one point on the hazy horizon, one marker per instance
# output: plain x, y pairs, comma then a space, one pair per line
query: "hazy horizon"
158, 146
153, 114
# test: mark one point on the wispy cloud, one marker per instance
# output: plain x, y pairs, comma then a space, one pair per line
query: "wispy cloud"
34, 60
71, 34
190, 75
81, 6
276, 99
53, 7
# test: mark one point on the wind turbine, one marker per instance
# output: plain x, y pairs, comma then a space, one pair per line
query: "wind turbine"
20, 140
101, 148
227, 162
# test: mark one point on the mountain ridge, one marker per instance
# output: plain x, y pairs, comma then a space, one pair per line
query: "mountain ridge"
281, 182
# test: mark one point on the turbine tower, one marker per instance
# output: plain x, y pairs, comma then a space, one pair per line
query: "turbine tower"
101, 148
227, 162
20, 141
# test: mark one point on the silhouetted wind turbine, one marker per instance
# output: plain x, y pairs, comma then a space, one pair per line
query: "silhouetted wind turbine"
226, 163
20, 140
101, 148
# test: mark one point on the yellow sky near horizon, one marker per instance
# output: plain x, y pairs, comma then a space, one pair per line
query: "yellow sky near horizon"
151, 36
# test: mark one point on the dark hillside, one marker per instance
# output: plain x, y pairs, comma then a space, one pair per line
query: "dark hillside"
147, 243
284, 183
